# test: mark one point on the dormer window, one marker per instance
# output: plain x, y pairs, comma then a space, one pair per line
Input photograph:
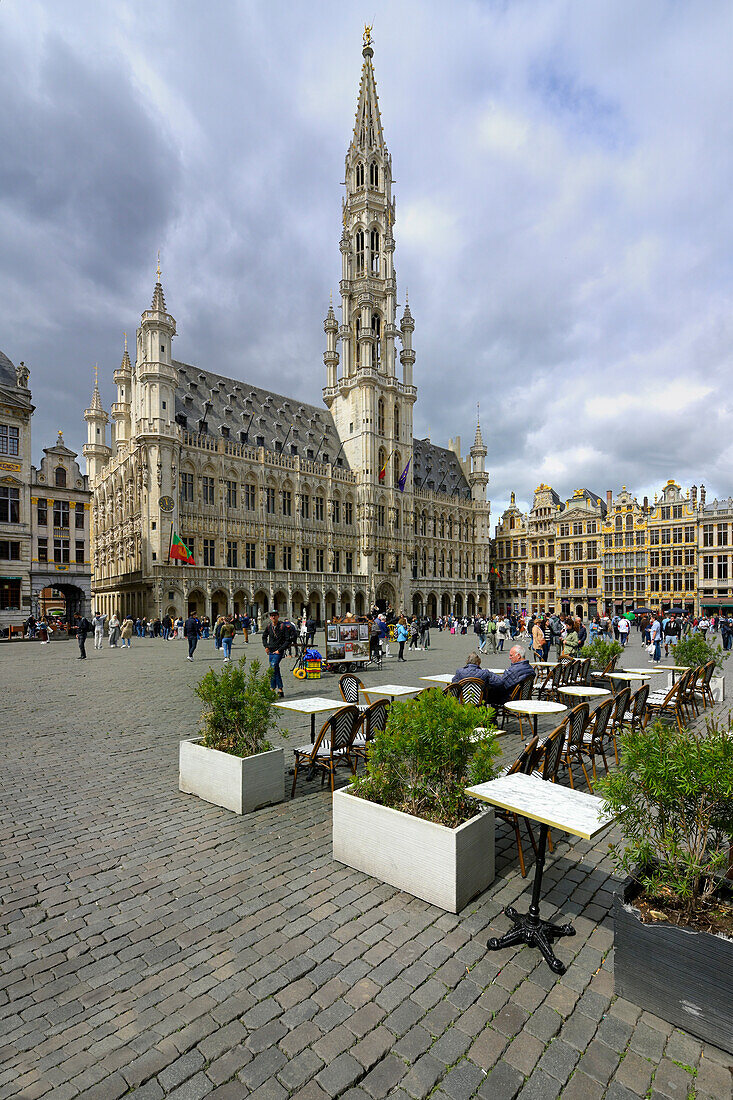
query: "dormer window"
260, 440
60, 477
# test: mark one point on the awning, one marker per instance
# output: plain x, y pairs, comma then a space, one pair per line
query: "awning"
724, 605
10, 579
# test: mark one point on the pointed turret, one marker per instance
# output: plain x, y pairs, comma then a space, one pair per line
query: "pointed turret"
121, 409
407, 355
368, 134
95, 450
331, 355
155, 377
478, 478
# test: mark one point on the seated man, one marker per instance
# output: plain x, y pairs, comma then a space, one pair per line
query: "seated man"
498, 688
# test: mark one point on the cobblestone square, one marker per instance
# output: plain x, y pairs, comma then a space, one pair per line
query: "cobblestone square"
155, 945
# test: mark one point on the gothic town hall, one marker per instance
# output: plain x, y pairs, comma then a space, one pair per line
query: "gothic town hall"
284, 504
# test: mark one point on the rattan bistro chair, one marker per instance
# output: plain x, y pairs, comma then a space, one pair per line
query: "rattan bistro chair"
471, 690
373, 719
596, 733
660, 705
617, 722
349, 686
523, 763
576, 723
333, 745
701, 685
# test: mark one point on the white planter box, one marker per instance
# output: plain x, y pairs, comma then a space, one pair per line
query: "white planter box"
446, 867
237, 783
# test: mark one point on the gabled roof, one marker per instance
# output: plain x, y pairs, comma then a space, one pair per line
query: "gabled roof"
438, 468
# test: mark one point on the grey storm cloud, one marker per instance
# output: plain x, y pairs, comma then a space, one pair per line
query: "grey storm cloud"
564, 214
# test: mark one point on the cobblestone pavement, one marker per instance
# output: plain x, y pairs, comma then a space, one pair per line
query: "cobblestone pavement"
154, 945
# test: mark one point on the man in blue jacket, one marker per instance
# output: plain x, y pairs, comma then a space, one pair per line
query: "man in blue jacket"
498, 688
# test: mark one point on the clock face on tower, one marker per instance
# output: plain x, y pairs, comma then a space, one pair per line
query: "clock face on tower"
166, 504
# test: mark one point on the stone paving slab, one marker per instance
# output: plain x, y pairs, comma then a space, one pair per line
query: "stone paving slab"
154, 945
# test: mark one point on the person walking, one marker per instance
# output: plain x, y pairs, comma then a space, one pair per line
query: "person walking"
191, 631
623, 631
655, 634
538, 640
246, 627
126, 633
217, 631
572, 642
275, 640
83, 627
98, 623
227, 633
401, 636
114, 631
425, 632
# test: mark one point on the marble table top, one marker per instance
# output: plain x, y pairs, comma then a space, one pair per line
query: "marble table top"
674, 668
536, 706
582, 691
312, 705
630, 676
391, 689
440, 678
571, 811
653, 671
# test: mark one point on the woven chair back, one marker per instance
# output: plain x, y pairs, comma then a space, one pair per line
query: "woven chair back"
638, 703
584, 675
525, 760
343, 725
553, 748
349, 687
374, 718
621, 700
708, 671
525, 687
453, 689
577, 721
601, 717
471, 690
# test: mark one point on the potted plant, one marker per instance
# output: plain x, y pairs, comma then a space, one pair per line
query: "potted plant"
408, 820
601, 652
232, 764
673, 948
693, 650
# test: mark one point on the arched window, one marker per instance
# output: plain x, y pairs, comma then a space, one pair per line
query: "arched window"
619, 523
435, 564
374, 174
396, 431
359, 247
377, 341
357, 332
360, 175
424, 563
629, 521
380, 416
397, 467
424, 523
381, 460
60, 477
541, 549
442, 527
442, 563
450, 527
450, 563
374, 252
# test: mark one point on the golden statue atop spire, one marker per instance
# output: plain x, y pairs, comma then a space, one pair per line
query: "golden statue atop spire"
158, 268
367, 39
125, 335
95, 374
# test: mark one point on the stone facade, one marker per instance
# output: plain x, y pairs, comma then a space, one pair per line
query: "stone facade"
587, 554
282, 503
16, 411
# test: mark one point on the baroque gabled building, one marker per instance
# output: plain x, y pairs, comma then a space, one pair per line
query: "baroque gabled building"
280, 502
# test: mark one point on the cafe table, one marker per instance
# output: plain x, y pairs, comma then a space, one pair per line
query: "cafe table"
534, 707
313, 705
630, 677
583, 691
673, 669
553, 806
392, 690
656, 670
440, 678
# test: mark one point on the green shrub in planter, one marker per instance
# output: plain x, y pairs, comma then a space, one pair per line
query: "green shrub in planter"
693, 650
601, 652
238, 714
673, 798
426, 757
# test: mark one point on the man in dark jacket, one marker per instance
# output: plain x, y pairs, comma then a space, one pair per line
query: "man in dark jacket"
500, 688
83, 627
472, 669
275, 639
191, 631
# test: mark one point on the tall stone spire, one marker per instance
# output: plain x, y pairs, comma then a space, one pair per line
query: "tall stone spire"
158, 296
478, 478
95, 449
368, 134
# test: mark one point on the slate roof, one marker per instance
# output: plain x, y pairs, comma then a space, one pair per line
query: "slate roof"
12, 394
438, 468
250, 413
7, 371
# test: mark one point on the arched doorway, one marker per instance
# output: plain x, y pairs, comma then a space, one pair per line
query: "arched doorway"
471, 605
314, 606
385, 596
445, 605
417, 604
298, 603
219, 603
196, 602
281, 602
240, 601
346, 604
458, 604
359, 602
432, 606
331, 604
261, 604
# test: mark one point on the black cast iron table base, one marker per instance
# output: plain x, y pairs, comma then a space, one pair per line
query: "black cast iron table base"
530, 928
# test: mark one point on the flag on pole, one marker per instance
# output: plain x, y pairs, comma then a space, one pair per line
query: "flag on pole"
383, 471
403, 477
180, 552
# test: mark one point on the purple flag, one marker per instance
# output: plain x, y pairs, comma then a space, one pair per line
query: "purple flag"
403, 477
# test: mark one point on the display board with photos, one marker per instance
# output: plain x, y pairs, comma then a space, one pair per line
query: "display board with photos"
347, 642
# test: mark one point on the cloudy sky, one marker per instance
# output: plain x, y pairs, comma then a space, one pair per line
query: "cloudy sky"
564, 212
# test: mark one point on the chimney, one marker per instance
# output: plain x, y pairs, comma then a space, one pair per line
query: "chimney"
646, 504
609, 498
702, 495
693, 493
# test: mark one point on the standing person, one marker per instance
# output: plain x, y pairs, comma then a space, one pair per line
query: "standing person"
98, 622
572, 643
671, 634
228, 631
114, 631
491, 633
83, 627
191, 631
217, 631
655, 633
275, 639
384, 634
538, 640
30, 626
414, 633
703, 626
623, 631
401, 635
43, 631
126, 633
166, 625
246, 627
502, 630
425, 632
